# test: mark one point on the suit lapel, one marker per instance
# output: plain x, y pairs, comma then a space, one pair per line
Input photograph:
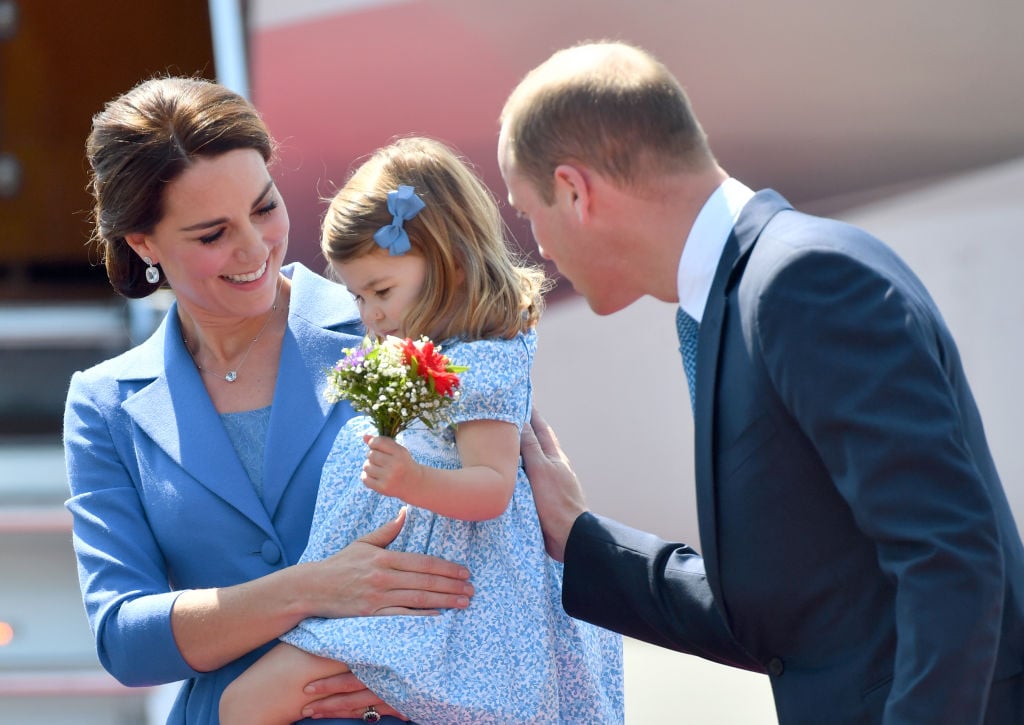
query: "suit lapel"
755, 215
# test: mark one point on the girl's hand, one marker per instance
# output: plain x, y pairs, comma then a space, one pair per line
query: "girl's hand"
389, 468
366, 579
343, 696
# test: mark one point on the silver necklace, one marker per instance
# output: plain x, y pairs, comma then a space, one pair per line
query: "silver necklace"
232, 375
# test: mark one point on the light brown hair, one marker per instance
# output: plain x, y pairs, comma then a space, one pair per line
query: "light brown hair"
459, 230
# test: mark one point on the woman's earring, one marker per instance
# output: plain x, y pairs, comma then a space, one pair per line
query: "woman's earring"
152, 273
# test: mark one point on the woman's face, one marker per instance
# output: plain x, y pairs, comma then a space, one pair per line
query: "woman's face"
223, 236
385, 287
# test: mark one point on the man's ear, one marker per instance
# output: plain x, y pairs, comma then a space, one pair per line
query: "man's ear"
572, 186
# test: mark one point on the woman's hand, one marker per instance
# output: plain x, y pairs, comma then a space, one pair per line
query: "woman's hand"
343, 695
366, 579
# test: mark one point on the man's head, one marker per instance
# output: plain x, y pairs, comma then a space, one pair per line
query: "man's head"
609, 106
584, 135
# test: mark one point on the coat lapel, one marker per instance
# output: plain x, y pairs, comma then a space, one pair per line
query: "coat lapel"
320, 326
755, 215
176, 412
172, 407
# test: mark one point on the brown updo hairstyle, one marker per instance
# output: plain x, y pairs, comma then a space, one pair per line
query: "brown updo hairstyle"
475, 286
141, 142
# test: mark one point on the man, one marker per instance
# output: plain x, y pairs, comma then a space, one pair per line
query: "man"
857, 543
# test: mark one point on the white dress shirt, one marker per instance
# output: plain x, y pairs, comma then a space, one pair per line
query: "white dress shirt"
705, 243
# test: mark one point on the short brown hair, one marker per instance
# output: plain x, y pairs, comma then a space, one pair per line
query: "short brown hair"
460, 228
141, 142
609, 105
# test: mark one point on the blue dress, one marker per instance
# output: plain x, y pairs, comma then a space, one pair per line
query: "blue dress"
513, 657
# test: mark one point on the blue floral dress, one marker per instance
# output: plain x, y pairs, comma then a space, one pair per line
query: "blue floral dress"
513, 657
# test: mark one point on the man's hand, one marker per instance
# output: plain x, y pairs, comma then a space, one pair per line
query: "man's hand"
556, 490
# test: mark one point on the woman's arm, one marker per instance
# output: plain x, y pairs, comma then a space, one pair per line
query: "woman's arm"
480, 490
215, 626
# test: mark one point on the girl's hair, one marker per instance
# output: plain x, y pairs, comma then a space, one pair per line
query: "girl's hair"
141, 142
460, 228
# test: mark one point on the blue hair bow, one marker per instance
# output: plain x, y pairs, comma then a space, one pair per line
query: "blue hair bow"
404, 204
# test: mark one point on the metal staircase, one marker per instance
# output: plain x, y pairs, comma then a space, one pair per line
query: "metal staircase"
48, 667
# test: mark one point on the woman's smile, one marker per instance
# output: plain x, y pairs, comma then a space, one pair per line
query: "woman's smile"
248, 276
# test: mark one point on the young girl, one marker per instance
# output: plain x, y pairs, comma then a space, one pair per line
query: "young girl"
418, 240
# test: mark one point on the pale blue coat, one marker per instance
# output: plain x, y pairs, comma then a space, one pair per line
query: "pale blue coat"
161, 502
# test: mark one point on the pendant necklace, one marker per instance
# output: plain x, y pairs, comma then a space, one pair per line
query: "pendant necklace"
232, 375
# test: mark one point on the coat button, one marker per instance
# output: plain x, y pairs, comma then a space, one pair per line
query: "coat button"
775, 667
270, 552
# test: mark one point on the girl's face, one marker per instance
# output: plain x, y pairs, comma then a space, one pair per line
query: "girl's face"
385, 288
223, 236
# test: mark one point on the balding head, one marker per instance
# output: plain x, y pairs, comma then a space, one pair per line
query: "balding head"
607, 105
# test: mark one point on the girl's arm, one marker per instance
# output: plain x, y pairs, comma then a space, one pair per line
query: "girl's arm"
271, 691
480, 490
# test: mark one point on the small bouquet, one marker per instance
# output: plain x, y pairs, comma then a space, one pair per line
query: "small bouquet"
395, 381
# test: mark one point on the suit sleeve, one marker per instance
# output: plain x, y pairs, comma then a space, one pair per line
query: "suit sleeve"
866, 367
641, 586
121, 570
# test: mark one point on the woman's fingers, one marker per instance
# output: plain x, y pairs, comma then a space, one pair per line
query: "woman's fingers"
366, 579
383, 536
343, 696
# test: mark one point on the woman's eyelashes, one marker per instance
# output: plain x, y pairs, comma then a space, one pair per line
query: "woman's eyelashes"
263, 211
211, 238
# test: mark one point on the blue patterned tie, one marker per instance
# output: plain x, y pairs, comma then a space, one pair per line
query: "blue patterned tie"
687, 328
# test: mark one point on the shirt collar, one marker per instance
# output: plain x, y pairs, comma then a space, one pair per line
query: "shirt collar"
705, 243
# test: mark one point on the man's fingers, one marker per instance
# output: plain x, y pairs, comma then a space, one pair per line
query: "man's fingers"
529, 446
539, 433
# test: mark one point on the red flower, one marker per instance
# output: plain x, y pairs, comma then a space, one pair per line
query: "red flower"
428, 363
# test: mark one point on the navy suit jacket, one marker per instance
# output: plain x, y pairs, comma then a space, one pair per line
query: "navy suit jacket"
856, 541
161, 502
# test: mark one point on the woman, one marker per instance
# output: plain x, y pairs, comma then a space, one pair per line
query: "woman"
194, 458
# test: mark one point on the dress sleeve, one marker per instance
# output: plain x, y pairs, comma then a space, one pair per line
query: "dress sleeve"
497, 384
